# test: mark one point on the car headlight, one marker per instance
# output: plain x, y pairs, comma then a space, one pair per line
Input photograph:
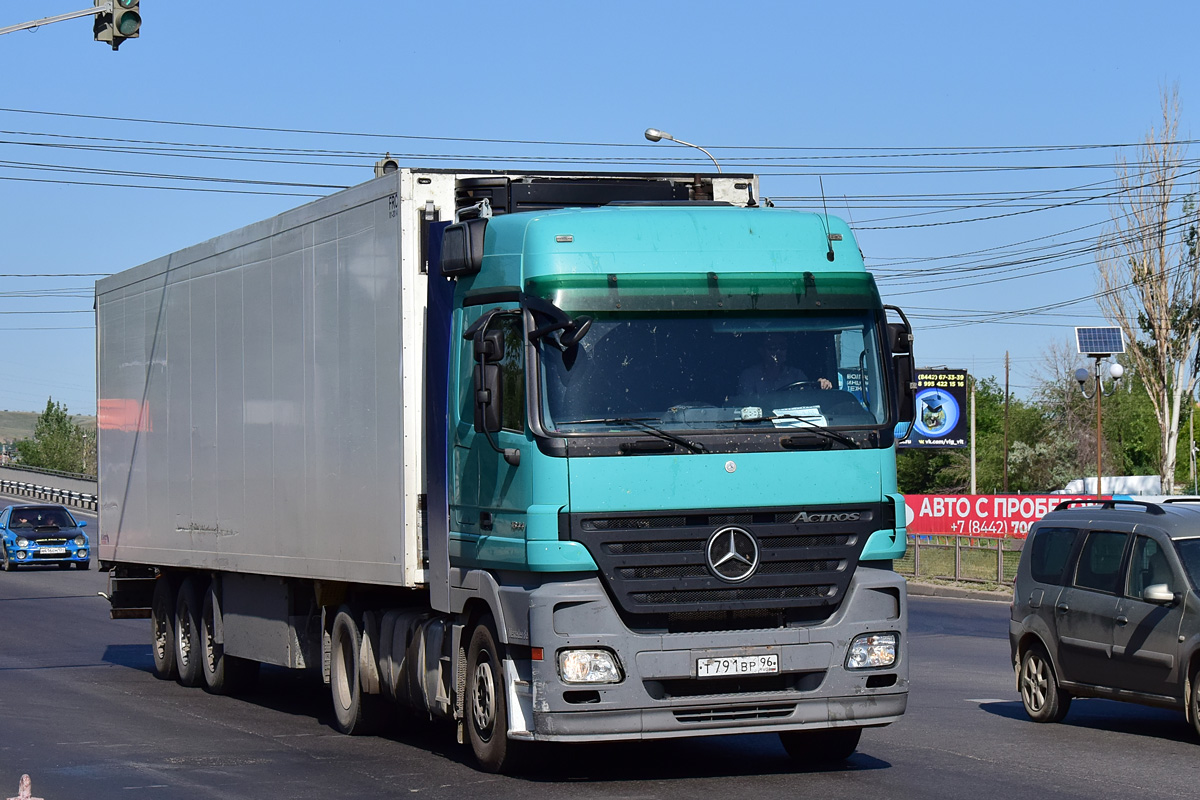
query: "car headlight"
871, 651
588, 666
21, 555
81, 552
22, 542
80, 541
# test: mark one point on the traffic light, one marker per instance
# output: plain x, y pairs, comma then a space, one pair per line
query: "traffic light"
122, 22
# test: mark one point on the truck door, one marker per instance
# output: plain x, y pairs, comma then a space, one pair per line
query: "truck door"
489, 507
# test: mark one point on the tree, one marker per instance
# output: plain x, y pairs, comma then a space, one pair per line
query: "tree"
57, 443
1149, 279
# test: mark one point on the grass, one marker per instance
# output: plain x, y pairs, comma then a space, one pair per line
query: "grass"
933, 557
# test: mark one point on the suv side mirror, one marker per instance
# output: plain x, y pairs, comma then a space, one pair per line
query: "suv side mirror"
1159, 593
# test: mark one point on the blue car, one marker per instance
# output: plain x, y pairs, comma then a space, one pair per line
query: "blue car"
42, 534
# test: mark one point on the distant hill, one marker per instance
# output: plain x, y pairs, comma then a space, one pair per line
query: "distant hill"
15, 425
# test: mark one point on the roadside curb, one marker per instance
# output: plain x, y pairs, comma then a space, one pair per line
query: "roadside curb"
938, 590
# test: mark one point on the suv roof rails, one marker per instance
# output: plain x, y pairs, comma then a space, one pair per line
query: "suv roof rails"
1182, 500
1150, 508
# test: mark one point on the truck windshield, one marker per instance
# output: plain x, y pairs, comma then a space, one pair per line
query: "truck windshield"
718, 370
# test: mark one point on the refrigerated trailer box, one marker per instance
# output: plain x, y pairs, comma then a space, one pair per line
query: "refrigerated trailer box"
508, 448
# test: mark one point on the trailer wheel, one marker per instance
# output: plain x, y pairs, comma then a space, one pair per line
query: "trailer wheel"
356, 712
188, 649
222, 674
162, 629
486, 706
821, 746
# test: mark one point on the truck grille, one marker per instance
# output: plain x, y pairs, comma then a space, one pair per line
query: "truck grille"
657, 567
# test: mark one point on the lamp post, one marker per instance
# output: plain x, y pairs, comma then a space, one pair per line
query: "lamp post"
655, 135
1083, 377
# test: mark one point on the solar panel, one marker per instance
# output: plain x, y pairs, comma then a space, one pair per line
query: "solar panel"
1100, 341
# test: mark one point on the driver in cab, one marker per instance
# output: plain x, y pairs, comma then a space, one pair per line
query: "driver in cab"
775, 372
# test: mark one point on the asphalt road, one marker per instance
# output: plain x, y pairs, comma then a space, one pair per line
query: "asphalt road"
82, 713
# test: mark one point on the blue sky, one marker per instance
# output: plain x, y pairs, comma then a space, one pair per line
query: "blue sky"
855, 93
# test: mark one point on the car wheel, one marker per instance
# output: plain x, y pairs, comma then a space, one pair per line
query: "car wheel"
9, 566
355, 711
223, 674
162, 628
487, 703
188, 648
820, 747
1194, 699
1041, 695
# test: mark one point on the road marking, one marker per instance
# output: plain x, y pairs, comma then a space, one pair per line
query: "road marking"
982, 700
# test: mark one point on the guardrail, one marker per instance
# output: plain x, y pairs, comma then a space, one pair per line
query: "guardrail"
971, 559
50, 494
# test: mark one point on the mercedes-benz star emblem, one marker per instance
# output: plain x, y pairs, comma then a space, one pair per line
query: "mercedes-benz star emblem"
732, 554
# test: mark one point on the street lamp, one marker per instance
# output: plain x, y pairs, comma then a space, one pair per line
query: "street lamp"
1083, 377
655, 135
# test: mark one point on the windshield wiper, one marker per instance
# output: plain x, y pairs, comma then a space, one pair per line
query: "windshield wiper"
814, 428
642, 423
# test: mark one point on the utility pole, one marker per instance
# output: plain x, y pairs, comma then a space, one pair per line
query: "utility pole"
1005, 490
972, 384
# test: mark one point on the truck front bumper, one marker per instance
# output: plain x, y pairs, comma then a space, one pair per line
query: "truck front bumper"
660, 694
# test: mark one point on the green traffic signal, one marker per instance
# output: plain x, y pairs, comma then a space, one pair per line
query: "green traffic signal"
116, 21
129, 22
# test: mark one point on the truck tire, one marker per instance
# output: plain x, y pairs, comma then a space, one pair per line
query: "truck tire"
813, 748
188, 649
223, 674
356, 713
162, 629
486, 706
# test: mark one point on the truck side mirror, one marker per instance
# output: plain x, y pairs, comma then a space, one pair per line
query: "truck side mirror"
488, 347
462, 248
488, 398
899, 339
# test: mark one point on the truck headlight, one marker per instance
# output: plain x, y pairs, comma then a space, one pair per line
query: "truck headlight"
22, 542
871, 651
588, 666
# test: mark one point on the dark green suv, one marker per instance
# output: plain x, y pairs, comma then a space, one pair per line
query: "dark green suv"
1105, 605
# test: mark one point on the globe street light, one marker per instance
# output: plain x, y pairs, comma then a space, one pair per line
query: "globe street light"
1083, 377
655, 135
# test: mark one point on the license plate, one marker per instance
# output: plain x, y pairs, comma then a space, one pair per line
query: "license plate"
737, 665
53, 551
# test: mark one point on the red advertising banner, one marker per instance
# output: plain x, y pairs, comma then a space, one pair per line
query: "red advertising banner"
994, 515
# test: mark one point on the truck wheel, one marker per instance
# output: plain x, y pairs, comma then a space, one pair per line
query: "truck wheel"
821, 747
162, 629
486, 706
356, 712
188, 648
1044, 701
222, 674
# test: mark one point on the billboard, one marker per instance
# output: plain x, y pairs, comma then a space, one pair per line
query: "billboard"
983, 515
942, 411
